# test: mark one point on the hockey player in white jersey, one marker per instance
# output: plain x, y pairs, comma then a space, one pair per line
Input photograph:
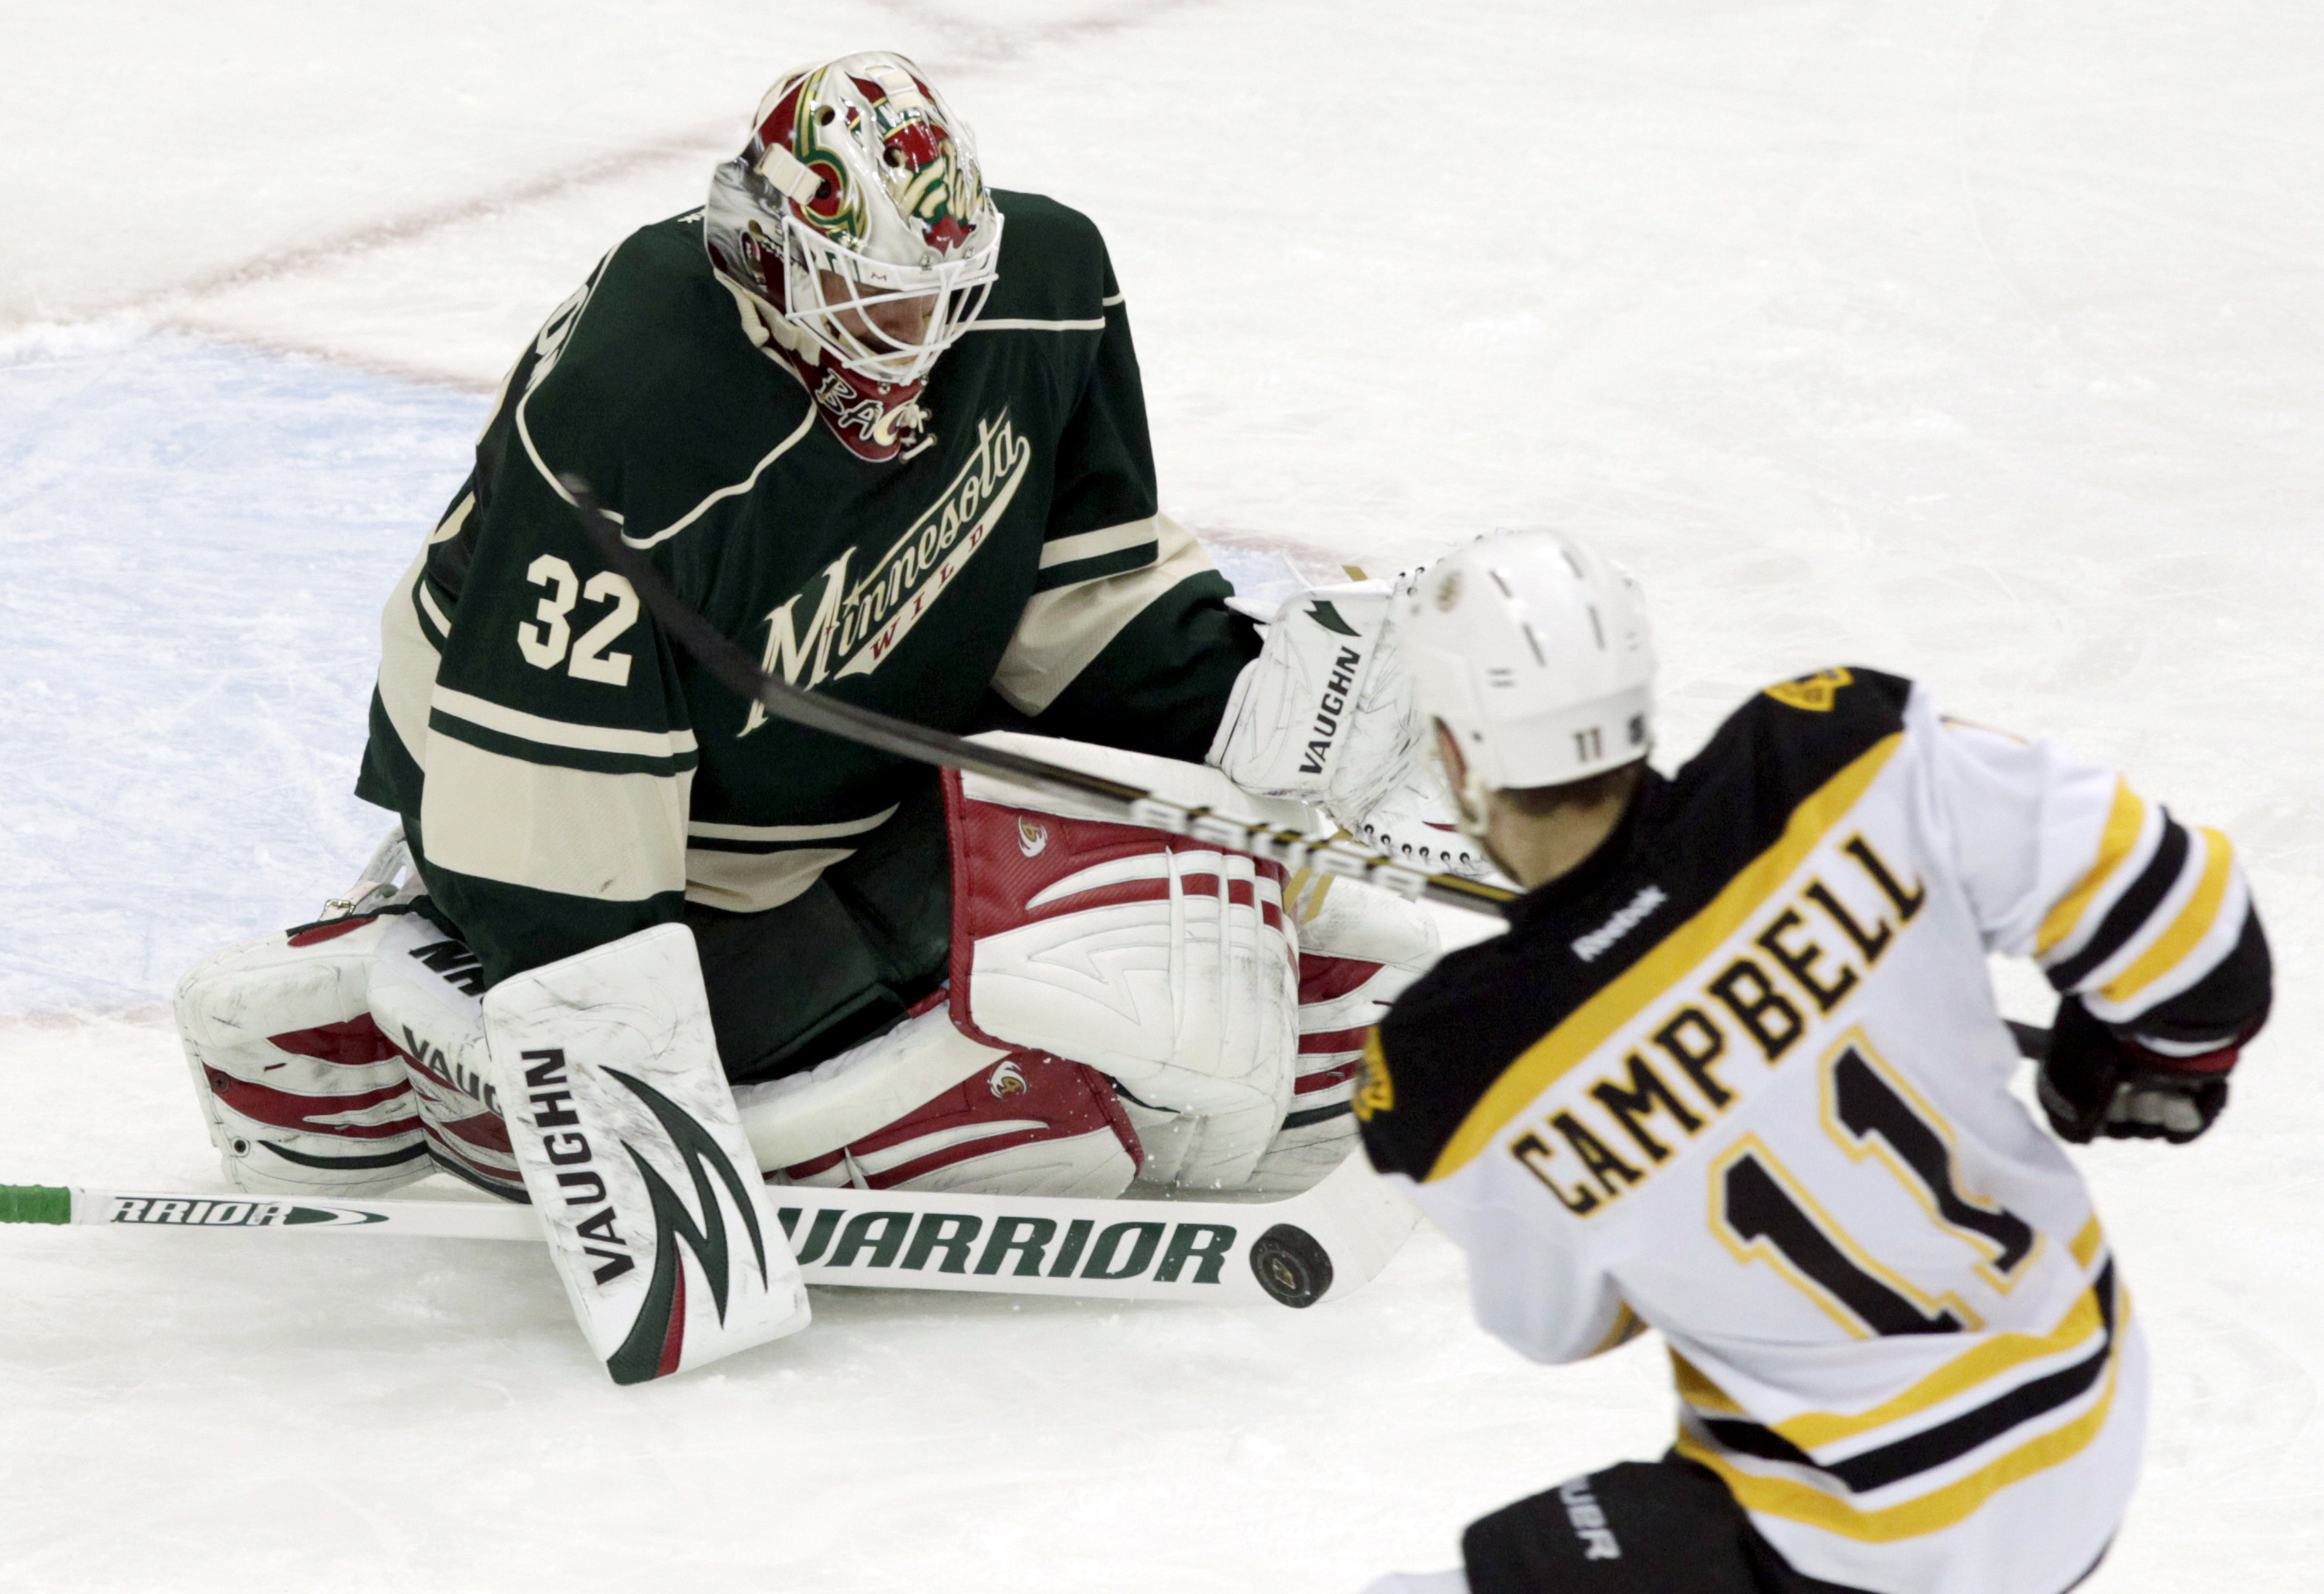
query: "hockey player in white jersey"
1736, 1074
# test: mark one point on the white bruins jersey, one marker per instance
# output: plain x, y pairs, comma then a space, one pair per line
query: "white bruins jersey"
1741, 1078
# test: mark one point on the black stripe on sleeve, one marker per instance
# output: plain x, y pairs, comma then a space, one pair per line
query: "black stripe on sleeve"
2130, 914
2227, 1004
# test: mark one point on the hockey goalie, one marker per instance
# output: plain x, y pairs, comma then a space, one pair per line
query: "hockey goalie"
883, 426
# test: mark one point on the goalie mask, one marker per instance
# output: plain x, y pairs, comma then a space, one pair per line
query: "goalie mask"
857, 215
1533, 651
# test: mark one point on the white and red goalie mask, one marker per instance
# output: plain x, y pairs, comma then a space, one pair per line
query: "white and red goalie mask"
859, 190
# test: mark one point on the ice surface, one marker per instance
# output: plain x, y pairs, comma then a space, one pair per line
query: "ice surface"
1979, 341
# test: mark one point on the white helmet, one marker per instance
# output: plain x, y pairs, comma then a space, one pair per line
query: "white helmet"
1533, 649
859, 169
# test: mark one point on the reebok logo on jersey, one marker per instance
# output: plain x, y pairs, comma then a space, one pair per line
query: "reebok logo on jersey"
1627, 918
858, 620
1589, 1520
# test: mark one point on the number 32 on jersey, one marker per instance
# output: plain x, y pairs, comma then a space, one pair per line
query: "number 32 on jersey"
546, 639
1764, 1213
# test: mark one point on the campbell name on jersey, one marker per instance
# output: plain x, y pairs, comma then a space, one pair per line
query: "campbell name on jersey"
1741, 1077
570, 777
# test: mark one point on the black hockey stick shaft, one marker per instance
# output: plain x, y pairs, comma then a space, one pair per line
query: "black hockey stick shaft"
740, 674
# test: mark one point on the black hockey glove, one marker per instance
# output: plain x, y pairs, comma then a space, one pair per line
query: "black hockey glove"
2095, 1081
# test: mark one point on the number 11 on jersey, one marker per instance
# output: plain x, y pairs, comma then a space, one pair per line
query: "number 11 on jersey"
1762, 1211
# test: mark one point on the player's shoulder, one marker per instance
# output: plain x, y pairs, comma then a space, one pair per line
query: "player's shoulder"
653, 311
1454, 1033
1053, 262
650, 359
1785, 741
1446, 1041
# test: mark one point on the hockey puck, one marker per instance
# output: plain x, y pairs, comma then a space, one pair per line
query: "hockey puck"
1291, 1266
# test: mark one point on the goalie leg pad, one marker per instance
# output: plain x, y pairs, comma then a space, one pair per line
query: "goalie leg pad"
926, 1107
666, 1241
302, 1093
1359, 948
425, 986
1159, 960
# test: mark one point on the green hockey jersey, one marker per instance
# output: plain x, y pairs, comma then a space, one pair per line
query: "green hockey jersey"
567, 776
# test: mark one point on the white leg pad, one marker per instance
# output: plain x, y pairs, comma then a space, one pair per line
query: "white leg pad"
668, 1244
927, 1107
301, 1093
1159, 960
424, 997
1359, 948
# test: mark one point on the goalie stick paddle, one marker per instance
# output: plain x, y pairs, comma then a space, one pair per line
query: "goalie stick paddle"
1320, 1245
739, 673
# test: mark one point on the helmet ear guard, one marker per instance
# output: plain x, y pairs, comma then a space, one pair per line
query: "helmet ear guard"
1534, 652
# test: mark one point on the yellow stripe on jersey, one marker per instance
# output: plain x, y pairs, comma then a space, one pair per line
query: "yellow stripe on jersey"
1989, 1360
1941, 1508
2193, 923
1627, 1326
2125, 822
1547, 1060
1695, 1388
2086, 1243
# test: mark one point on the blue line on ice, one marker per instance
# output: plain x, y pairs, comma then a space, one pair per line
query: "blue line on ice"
194, 545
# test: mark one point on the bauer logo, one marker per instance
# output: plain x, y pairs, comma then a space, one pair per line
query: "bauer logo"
833, 1243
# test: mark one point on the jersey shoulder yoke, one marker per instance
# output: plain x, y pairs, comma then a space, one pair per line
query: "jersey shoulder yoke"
1468, 1043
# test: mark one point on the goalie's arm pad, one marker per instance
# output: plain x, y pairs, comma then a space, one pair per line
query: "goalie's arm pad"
1325, 714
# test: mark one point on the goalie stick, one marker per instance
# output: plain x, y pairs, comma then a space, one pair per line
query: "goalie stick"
1320, 1245
739, 673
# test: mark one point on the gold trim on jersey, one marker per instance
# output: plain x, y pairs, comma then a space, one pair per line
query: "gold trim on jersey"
1996, 1357
2125, 822
1939, 1509
2001, 1354
1651, 978
1696, 1388
1375, 1090
2187, 930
